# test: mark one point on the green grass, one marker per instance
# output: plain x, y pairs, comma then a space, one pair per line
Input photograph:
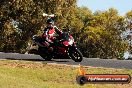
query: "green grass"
29, 74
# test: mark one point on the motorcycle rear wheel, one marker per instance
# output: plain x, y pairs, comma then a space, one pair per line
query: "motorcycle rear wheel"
32, 51
46, 58
44, 55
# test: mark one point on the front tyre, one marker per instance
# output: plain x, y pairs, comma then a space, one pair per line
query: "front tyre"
76, 55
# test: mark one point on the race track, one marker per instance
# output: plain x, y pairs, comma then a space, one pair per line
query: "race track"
94, 62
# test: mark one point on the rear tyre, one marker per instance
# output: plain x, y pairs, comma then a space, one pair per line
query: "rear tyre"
44, 54
33, 51
76, 55
46, 58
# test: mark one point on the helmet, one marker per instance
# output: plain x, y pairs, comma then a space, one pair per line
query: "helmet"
50, 21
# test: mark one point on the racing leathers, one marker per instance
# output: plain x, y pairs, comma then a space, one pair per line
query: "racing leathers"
50, 33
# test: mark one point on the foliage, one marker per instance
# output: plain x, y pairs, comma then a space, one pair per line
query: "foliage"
129, 29
102, 35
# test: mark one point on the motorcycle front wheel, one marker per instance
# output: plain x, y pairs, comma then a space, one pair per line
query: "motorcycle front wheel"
76, 55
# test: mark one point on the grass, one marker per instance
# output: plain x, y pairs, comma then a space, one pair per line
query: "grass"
29, 74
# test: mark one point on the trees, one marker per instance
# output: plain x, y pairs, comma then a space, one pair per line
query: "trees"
20, 12
102, 36
128, 18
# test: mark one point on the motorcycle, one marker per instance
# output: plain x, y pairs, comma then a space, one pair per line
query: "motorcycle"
64, 47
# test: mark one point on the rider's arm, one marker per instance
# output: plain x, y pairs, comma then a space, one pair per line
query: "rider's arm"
45, 34
58, 31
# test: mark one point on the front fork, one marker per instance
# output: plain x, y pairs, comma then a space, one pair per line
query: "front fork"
72, 49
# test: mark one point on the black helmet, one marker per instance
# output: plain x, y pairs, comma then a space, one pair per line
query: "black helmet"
50, 21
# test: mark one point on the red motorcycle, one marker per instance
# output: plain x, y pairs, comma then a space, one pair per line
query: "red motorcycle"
64, 47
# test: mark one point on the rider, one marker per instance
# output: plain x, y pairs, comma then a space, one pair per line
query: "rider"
50, 31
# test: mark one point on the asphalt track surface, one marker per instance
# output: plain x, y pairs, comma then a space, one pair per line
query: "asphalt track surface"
94, 62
